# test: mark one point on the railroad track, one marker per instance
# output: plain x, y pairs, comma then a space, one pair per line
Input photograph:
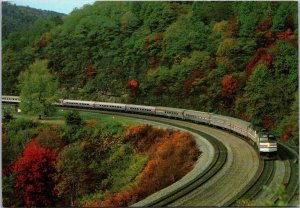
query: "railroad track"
266, 173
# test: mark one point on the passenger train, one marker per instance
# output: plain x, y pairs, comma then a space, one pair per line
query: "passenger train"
265, 143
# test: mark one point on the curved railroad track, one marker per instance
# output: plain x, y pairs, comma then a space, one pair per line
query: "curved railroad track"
209, 189
234, 171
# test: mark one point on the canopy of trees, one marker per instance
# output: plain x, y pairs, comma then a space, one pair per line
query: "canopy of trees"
208, 56
44, 166
16, 18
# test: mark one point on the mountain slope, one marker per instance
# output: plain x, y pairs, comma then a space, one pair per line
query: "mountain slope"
15, 18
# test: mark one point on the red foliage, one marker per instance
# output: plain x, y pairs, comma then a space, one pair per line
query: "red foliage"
90, 71
190, 80
260, 56
172, 154
287, 132
34, 173
133, 86
286, 35
229, 85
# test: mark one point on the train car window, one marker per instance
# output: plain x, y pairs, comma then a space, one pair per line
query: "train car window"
264, 138
272, 137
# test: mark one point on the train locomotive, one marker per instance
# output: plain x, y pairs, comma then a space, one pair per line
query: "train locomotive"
265, 143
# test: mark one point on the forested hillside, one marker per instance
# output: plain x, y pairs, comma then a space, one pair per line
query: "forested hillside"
16, 18
232, 58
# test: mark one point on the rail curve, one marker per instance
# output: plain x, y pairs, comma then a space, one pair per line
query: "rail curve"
267, 173
226, 164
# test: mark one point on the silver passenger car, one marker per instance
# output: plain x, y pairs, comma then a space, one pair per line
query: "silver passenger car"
78, 103
140, 109
170, 112
10, 99
221, 121
197, 116
110, 106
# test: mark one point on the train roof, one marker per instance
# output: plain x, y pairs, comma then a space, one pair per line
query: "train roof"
105, 103
170, 109
231, 119
195, 112
9, 96
78, 101
140, 106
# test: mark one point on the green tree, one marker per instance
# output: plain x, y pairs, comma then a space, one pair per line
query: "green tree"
285, 16
71, 169
73, 118
38, 90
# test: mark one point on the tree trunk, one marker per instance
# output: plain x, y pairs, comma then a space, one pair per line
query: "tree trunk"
40, 117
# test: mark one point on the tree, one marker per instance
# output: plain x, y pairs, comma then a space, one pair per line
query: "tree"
73, 118
71, 173
38, 90
34, 173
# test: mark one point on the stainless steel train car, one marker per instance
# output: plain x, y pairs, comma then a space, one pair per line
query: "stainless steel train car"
140, 109
110, 106
170, 112
10, 99
197, 116
265, 143
78, 103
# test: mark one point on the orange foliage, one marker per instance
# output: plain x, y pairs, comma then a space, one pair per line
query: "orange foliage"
190, 80
172, 154
287, 35
270, 36
229, 85
232, 28
260, 56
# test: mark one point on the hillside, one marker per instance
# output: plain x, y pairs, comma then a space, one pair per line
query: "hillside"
233, 58
16, 18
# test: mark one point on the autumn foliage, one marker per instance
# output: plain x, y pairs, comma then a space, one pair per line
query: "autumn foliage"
259, 57
229, 85
190, 80
172, 154
287, 35
90, 70
34, 172
133, 86
287, 132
